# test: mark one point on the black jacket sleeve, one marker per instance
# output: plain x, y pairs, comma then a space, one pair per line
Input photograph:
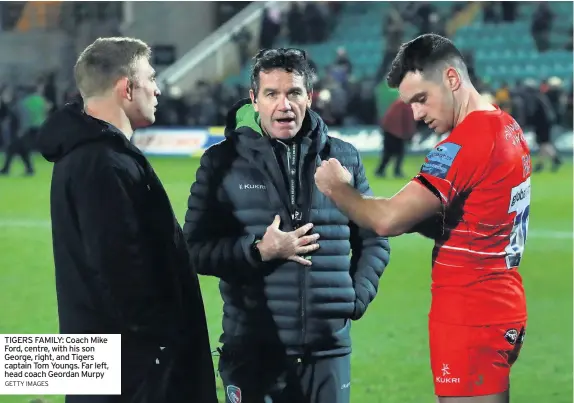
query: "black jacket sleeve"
118, 265
206, 229
370, 254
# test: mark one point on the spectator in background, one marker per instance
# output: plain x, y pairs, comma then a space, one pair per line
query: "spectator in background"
225, 10
570, 44
502, 98
49, 90
202, 104
568, 115
173, 110
542, 21
398, 125
317, 16
323, 106
554, 91
8, 116
490, 13
541, 117
470, 64
314, 67
393, 31
270, 27
509, 9
342, 68
32, 110
242, 39
362, 107
14, 140
424, 17
296, 24
457, 7
338, 98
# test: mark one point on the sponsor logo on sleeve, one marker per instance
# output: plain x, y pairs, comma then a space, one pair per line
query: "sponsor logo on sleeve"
439, 161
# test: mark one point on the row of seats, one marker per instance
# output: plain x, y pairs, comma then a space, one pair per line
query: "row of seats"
502, 52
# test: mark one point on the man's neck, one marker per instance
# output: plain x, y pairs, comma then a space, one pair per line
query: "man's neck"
104, 109
472, 102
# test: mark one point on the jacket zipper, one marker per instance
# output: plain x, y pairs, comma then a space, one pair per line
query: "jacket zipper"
296, 175
293, 175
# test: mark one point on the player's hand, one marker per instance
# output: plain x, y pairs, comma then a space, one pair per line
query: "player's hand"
277, 244
330, 175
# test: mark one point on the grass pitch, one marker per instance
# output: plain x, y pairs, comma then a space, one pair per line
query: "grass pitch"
390, 361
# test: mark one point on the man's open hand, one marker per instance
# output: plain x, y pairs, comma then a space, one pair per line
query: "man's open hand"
277, 244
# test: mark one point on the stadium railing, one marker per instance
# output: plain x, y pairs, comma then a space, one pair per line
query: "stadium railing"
216, 56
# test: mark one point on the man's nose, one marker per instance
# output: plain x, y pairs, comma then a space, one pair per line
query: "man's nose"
284, 104
418, 113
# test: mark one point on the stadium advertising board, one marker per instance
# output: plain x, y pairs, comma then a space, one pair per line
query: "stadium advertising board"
176, 141
367, 139
160, 141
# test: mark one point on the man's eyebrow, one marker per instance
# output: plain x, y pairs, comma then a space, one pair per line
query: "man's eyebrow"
417, 97
290, 90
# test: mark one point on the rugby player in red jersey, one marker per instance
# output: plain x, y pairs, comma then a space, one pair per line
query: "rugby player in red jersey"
473, 191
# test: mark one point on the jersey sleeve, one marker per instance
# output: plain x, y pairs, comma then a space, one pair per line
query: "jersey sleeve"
453, 168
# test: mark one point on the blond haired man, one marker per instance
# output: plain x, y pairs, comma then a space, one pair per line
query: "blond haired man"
121, 261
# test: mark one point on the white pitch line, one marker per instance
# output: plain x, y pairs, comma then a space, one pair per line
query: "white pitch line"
30, 223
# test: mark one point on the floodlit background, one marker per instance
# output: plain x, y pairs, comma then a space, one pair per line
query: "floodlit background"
517, 52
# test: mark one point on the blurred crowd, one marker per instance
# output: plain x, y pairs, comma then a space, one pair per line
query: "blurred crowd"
541, 25
23, 107
340, 97
344, 100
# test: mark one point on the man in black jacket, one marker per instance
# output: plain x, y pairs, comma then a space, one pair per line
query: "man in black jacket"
282, 250
122, 265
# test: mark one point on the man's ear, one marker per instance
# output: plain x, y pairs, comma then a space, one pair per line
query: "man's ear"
453, 78
253, 100
124, 87
309, 99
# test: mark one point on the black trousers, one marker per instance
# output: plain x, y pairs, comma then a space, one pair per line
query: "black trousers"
20, 146
161, 376
392, 147
266, 377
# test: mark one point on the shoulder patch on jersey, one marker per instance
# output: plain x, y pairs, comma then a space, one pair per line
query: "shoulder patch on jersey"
440, 159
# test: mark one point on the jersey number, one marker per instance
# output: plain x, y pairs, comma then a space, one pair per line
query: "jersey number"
519, 204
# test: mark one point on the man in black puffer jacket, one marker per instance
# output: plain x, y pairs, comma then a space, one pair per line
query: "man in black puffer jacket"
294, 271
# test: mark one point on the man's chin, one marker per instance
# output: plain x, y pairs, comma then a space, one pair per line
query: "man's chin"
144, 122
284, 134
439, 131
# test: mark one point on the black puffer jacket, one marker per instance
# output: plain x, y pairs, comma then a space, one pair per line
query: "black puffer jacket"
239, 188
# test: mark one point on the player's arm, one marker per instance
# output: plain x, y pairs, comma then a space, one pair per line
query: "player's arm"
393, 216
370, 254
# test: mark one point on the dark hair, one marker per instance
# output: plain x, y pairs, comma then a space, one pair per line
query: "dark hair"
423, 54
289, 59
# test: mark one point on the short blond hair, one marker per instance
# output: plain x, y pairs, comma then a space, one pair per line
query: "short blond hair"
107, 60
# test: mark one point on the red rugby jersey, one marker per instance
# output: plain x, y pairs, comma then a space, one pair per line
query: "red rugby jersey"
482, 174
